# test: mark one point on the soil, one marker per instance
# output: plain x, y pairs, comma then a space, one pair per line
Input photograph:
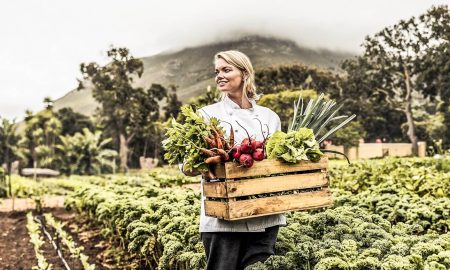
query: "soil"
95, 245
16, 251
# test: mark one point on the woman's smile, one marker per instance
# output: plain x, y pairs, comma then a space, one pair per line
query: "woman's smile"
228, 77
221, 83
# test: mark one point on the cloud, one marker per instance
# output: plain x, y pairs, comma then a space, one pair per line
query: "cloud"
43, 42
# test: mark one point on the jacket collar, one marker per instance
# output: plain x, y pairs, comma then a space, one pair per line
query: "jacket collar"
231, 105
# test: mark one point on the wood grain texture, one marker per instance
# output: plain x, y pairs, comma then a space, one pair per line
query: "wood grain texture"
237, 210
230, 170
246, 187
217, 209
215, 189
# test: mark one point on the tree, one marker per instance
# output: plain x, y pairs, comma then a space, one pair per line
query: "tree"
3, 184
85, 153
125, 109
9, 147
378, 117
40, 136
276, 79
73, 122
434, 67
173, 106
349, 135
392, 58
48, 103
211, 96
283, 104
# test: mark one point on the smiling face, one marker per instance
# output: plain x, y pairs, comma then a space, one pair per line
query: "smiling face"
228, 77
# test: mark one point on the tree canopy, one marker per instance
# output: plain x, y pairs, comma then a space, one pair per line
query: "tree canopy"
125, 108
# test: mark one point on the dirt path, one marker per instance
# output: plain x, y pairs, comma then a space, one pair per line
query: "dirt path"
16, 251
99, 250
6, 205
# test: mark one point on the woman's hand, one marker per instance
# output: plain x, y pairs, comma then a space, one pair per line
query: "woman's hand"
206, 175
209, 175
194, 172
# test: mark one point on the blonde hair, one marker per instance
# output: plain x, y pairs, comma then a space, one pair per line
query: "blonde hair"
242, 62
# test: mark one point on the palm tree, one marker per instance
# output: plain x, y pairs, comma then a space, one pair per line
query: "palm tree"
53, 128
48, 103
9, 150
85, 153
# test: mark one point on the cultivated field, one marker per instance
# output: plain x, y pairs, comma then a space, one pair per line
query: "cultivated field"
387, 214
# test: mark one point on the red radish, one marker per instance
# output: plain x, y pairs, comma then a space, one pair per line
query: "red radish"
246, 160
257, 144
247, 145
262, 144
258, 155
236, 152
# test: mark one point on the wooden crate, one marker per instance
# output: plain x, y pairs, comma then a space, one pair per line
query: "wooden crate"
306, 182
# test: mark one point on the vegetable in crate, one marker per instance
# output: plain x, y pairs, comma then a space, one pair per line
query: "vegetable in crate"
293, 146
195, 141
320, 116
317, 119
249, 150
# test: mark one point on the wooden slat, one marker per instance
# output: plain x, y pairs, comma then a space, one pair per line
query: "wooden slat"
279, 204
231, 170
215, 189
275, 184
217, 209
246, 187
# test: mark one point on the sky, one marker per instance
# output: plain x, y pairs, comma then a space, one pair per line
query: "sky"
42, 43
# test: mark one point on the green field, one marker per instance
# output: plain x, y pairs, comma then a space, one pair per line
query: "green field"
387, 214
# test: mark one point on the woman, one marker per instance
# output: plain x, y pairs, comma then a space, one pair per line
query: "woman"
237, 244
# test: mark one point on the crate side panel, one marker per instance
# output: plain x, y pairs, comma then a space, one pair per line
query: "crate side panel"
231, 170
214, 189
216, 209
276, 184
279, 204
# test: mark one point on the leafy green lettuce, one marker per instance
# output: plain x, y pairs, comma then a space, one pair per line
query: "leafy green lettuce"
293, 146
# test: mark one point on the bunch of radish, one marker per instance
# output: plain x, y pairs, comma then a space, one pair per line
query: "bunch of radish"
249, 150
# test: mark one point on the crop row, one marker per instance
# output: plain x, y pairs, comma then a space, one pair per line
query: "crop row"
67, 240
374, 226
352, 238
425, 177
23, 187
160, 226
38, 241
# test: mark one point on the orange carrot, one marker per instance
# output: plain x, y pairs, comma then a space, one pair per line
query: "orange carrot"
217, 138
210, 142
207, 152
213, 160
223, 154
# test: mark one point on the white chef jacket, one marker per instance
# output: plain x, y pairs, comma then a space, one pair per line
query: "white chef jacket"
228, 110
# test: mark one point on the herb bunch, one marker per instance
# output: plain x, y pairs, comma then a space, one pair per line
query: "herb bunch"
185, 139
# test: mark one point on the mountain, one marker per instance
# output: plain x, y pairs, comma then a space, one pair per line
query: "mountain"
191, 69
